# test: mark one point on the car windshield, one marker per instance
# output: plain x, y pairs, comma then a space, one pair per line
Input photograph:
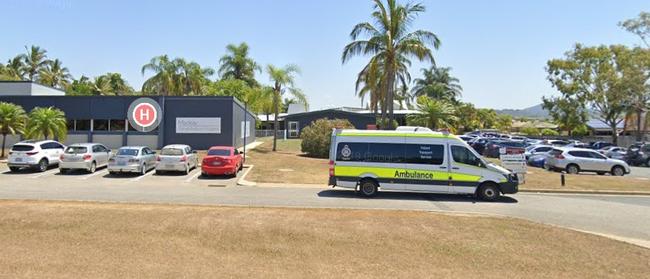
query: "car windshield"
22, 147
219, 152
171, 151
76, 150
127, 152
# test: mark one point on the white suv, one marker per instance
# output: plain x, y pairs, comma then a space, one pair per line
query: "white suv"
38, 154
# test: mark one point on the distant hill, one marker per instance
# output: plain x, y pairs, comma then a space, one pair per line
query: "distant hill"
531, 112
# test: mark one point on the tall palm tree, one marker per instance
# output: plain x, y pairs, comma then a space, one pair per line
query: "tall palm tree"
112, 84
12, 121
389, 42
47, 122
437, 83
435, 114
55, 75
192, 76
35, 60
283, 80
236, 64
174, 77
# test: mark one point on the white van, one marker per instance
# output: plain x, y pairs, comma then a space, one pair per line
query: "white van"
414, 160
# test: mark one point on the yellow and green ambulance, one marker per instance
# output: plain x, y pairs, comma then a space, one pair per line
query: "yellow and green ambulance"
414, 159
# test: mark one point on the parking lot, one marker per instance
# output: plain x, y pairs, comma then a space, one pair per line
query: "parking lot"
102, 178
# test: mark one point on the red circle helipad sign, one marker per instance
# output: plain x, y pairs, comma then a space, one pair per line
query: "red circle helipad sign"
144, 114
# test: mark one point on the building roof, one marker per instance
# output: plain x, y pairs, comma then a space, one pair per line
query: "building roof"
27, 88
598, 124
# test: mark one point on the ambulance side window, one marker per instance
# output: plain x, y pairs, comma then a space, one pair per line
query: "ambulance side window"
428, 154
351, 151
464, 156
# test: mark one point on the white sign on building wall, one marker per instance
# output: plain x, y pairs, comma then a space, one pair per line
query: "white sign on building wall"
245, 130
198, 125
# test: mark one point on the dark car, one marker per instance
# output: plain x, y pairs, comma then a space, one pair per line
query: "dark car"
599, 145
638, 154
492, 148
478, 144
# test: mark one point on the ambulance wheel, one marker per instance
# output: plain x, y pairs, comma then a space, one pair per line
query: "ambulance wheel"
489, 192
368, 187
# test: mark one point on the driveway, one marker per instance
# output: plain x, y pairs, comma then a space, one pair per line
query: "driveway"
622, 217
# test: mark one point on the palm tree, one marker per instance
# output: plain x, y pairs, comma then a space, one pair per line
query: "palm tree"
174, 76
35, 60
46, 122
391, 44
15, 68
437, 83
435, 114
55, 74
237, 65
112, 84
283, 80
12, 121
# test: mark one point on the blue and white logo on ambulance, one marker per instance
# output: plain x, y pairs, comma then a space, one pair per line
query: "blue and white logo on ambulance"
144, 114
346, 152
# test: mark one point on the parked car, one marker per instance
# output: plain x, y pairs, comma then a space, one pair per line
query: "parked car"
529, 142
493, 147
537, 149
132, 159
519, 138
537, 160
84, 156
575, 160
35, 154
638, 154
578, 144
600, 145
556, 142
176, 157
466, 138
614, 152
478, 144
222, 160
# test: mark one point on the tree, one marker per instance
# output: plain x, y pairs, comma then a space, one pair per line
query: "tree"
566, 111
390, 44
174, 77
55, 75
112, 84
15, 69
35, 60
530, 131
467, 117
437, 83
46, 122
640, 26
237, 65
504, 122
12, 121
283, 80
487, 118
81, 87
597, 76
435, 114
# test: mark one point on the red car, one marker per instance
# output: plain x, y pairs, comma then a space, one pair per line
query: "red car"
222, 160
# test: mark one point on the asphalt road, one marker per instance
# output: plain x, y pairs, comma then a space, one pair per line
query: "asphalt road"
623, 217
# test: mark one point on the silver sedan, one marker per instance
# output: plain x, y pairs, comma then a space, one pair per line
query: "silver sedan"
178, 158
132, 159
85, 156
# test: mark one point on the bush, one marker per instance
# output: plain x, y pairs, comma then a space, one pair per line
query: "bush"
549, 132
381, 125
530, 131
316, 137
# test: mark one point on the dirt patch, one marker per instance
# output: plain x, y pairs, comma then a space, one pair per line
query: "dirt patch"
63, 239
271, 167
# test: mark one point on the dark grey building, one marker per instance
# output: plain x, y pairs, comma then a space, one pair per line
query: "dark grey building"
198, 121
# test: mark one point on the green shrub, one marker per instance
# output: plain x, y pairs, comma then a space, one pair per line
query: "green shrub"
530, 131
549, 132
317, 136
380, 124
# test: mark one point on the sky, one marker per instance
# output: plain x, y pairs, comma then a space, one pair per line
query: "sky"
498, 49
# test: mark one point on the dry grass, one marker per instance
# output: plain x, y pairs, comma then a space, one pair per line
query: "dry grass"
287, 165
537, 178
80, 240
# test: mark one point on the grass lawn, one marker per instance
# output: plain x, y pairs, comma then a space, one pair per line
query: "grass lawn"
79, 240
289, 165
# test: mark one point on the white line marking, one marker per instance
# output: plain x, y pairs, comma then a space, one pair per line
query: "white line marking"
192, 177
45, 173
104, 171
152, 171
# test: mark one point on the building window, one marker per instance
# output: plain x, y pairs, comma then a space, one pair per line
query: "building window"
134, 130
70, 124
117, 125
100, 125
82, 125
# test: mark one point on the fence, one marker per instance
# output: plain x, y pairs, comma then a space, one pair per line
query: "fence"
269, 133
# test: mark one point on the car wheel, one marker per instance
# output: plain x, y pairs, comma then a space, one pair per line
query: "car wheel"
572, 169
14, 169
489, 192
187, 169
93, 167
143, 169
618, 171
42, 165
368, 187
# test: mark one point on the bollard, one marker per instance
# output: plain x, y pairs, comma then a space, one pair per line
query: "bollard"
562, 179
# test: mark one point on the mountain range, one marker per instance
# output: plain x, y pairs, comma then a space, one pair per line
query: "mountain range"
536, 111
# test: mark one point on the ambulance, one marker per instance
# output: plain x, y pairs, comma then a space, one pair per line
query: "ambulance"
414, 159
